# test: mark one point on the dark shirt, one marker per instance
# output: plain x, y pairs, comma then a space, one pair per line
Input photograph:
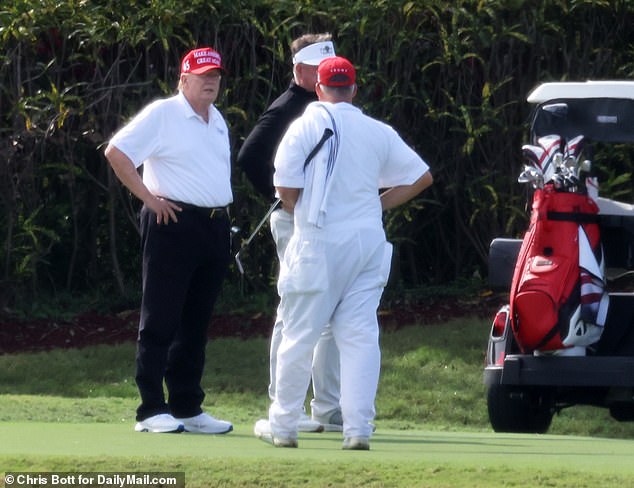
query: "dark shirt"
257, 153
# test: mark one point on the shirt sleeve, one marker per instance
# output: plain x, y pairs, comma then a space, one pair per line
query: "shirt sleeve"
256, 156
258, 150
140, 138
289, 159
405, 165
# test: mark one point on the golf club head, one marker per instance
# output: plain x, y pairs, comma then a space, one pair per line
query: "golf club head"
572, 181
570, 163
239, 263
559, 181
524, 177
531, 175
585, 166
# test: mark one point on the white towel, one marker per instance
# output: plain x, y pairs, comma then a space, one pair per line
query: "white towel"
319, 172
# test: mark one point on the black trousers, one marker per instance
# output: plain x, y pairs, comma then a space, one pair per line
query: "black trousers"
184, 264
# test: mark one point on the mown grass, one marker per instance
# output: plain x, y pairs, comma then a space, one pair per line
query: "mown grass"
431, 378
431, 408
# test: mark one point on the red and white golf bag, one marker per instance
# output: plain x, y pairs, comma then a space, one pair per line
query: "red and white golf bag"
558, 298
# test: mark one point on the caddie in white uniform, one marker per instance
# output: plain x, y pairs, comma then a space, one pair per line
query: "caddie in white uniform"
338, 259
256, 157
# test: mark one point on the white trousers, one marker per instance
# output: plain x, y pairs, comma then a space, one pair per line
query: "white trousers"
325, 365
334, 278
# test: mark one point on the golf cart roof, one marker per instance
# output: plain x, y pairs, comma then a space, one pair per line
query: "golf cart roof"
598, 110
585, 89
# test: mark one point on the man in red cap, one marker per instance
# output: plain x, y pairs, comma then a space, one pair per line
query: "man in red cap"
183, 144
256, 159
338, 259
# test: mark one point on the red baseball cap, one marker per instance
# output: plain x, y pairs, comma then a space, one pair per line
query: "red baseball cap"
336, 71
200, 61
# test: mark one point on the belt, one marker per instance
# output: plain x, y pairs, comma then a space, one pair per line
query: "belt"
210, 212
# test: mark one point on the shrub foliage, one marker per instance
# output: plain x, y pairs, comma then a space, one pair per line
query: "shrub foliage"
452, 77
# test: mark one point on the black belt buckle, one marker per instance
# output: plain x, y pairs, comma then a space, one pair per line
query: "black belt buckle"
209, 212
217, 212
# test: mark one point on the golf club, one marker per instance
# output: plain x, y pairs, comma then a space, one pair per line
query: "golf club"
246, 243
325, 136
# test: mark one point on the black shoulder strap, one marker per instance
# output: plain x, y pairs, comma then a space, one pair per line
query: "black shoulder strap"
578, 217
327, 134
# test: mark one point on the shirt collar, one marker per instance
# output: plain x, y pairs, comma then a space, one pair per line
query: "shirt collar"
187, 109
298, 90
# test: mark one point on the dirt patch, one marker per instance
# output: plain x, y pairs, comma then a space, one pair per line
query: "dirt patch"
92, 328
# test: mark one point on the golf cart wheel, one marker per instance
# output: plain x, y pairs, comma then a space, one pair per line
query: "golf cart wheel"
519, 410
622, 411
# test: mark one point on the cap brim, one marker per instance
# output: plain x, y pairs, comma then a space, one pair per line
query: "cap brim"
313, 61
205, 69
313, 54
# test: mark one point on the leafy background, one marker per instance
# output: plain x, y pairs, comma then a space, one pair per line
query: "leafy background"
451, 77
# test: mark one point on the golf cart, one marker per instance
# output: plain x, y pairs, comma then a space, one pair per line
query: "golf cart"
528, 382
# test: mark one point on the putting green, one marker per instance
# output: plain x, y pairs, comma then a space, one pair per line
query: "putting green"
476, 450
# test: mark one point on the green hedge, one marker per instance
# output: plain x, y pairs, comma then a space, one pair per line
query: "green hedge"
450, 76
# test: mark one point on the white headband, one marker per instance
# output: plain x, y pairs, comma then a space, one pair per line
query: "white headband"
314, 53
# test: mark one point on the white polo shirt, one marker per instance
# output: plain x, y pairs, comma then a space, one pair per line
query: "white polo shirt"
371, 156
184, 158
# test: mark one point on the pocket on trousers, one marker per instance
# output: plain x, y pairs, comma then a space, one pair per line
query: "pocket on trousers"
304, 269
386, 265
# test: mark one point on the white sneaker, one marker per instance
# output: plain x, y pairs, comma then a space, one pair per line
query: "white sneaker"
161, 423
332, 422
306, 424
262, 431
205, 424
356, 444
